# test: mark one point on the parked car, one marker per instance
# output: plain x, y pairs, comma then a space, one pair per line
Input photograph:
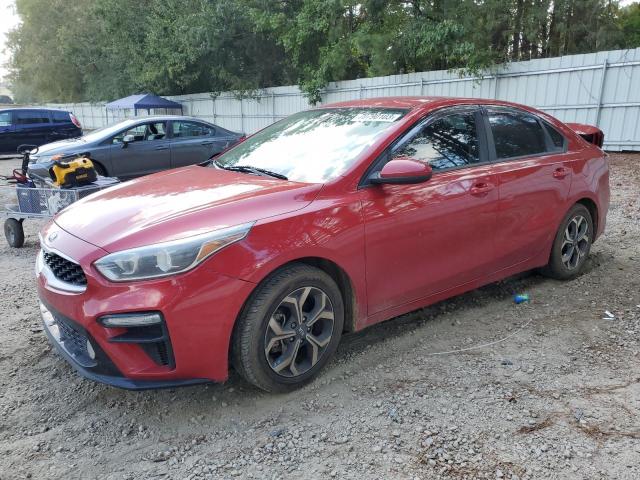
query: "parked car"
326, 222
35, 126
140, 146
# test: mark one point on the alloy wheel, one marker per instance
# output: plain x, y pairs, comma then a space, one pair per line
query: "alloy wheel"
299, 331
575, 243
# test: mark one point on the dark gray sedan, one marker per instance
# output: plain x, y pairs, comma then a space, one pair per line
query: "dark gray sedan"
140, 146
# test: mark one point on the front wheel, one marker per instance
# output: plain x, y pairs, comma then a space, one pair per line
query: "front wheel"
571, 245
289, 329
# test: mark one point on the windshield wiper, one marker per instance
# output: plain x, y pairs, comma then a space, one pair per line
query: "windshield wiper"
248, 169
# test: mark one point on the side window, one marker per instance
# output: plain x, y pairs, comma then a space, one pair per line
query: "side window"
447, 142
556, 137
31, 117
191, 129
143, 132
516, 134
5, 119
60, 117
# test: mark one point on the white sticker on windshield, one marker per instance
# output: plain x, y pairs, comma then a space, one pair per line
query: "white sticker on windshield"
376, 117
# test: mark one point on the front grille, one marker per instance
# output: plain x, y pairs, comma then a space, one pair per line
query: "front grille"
73, 340
65, 270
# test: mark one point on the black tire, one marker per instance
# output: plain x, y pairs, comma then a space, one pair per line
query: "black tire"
269, 303
577, 252
13, 232
100, 170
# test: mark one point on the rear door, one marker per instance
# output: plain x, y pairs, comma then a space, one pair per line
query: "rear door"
430, 237
32, 127
7, 132
147, 151
194, 142
533, 180
62, 126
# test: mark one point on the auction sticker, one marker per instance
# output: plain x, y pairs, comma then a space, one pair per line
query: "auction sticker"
376, 117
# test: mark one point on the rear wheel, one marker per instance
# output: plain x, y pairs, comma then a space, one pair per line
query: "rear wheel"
572, 244
13, 232
289, 329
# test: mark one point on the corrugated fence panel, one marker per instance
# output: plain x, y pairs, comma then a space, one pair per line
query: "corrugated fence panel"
600, 88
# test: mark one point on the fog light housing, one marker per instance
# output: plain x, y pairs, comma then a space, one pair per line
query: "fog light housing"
90, 351
131, 320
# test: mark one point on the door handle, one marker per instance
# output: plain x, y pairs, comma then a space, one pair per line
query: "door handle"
561, 172
162, 148
206, 143
481, 189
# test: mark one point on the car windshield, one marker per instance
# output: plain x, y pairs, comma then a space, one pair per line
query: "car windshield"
313, 146
105, 132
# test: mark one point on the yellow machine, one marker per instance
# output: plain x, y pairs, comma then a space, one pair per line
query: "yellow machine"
72, 173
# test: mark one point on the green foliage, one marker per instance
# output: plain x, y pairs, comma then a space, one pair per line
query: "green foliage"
104, 49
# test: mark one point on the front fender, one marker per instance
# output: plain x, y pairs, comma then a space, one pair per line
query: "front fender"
329, 231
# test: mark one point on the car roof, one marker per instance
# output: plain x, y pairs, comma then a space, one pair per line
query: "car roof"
18, 109
389, 102
423, 103
164, 117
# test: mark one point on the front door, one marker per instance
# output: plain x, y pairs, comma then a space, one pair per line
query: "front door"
140, 150
430, 237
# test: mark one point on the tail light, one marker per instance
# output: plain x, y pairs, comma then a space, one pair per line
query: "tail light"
75, 121
590, 133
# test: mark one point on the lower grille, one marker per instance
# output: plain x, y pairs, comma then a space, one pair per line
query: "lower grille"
73, 340
157, 351
63, 269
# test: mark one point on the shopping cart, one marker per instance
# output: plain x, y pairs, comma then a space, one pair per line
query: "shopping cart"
25, 197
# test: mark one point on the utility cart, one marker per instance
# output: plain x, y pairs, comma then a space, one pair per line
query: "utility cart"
27, 196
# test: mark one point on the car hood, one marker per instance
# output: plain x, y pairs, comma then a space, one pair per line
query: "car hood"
179, 203
71, 145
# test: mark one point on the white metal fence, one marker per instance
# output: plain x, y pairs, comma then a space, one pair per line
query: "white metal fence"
600, 88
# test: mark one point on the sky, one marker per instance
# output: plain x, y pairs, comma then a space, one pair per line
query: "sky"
9, 19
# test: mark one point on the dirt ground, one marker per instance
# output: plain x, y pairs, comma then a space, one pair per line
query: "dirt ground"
554, 395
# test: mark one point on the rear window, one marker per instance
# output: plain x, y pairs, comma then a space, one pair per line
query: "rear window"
60, 117
31, 117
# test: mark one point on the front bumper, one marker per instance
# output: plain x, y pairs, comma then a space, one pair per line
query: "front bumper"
198, 308
99, 369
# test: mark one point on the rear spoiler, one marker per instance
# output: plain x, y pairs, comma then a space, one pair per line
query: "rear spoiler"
590, 133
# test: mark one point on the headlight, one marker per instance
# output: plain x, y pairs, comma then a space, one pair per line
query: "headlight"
168, 258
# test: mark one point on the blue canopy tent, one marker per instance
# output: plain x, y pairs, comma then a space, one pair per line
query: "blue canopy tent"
144, 101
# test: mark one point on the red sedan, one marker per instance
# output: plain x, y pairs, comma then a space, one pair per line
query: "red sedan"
326, 222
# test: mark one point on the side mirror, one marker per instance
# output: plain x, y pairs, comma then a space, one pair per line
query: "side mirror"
127, 140
402, 170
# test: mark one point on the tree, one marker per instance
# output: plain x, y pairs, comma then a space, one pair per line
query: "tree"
104, 49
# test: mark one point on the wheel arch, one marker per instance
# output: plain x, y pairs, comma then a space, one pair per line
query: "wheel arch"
593, 210
337, 273
331, 268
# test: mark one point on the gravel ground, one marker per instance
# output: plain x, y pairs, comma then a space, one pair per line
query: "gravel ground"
557, 398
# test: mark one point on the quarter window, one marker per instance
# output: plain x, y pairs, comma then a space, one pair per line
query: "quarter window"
447, 142
556, 137
60, 117
516, 134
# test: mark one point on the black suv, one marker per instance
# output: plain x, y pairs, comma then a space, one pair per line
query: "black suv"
35, 126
